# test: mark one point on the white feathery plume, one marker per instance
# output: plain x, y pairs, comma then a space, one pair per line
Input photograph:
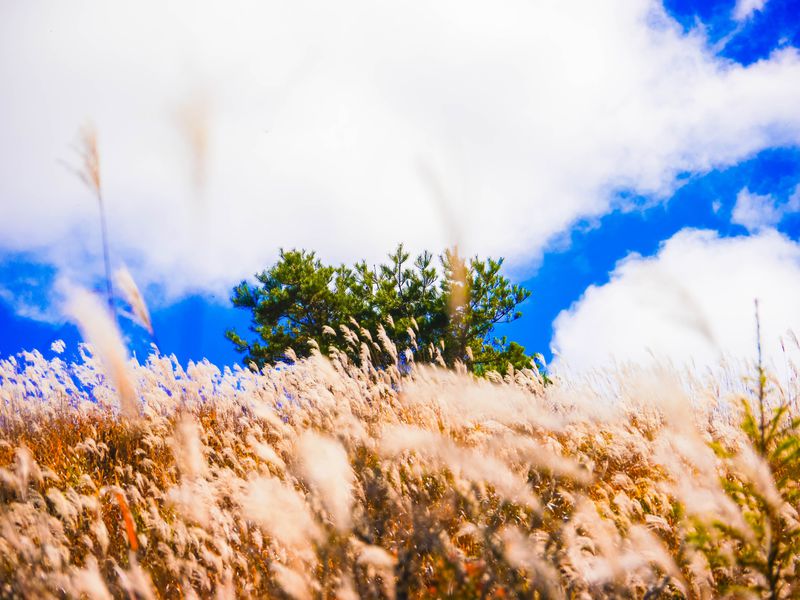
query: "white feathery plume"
134, 297
324, 466
98, 328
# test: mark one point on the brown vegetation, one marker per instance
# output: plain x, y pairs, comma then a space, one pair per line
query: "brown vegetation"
331, 479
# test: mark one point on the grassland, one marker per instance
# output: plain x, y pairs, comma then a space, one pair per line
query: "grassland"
330, 479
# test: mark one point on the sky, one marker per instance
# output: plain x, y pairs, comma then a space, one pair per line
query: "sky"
637, 163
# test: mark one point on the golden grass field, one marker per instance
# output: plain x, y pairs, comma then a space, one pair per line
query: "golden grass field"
328, 479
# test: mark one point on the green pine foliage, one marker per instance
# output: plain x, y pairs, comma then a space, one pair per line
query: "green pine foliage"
443, 311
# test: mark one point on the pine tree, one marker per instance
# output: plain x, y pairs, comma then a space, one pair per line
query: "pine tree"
447, 313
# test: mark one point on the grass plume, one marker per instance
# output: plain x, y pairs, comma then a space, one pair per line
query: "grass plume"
330, 478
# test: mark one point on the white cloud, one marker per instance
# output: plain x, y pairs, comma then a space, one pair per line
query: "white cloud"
27, 307
793, 205
692, 302
745, 8
756, 212
320, 115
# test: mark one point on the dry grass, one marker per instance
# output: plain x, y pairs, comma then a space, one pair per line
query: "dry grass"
329, 479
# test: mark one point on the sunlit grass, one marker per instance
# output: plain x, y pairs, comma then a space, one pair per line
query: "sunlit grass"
339, 480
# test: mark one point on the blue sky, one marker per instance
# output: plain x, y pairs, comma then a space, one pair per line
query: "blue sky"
596, 247
581, 222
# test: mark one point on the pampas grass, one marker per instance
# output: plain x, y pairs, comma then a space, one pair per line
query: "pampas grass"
89, 172
332, 479
130, 291
100, 329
